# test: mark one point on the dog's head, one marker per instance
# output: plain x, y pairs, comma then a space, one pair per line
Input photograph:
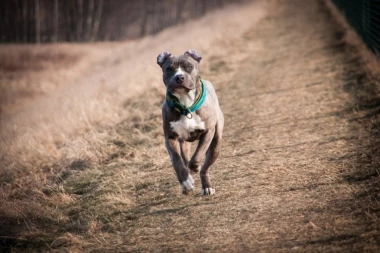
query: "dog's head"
180, 72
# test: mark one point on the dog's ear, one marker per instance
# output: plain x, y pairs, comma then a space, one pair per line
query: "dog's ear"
161, 58
194, 54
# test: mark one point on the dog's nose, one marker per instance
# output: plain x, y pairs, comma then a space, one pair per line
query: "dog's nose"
180, 78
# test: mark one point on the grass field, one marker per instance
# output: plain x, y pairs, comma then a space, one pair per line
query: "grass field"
83, 167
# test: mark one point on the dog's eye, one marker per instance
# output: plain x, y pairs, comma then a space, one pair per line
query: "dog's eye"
190, 68
169, 70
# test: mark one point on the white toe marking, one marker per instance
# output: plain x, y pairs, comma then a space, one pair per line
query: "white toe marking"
191, 179
208, 191
188, 184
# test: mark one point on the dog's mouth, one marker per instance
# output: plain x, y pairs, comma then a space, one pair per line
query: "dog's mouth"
180, 87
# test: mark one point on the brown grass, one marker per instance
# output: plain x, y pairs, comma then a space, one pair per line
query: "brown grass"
32, 71
298, 170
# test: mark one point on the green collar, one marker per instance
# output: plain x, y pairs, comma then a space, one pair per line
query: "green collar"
174, 102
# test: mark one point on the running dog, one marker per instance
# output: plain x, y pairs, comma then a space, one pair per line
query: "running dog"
190, 112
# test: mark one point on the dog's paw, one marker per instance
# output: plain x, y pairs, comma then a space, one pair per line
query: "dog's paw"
208, 191
188, 185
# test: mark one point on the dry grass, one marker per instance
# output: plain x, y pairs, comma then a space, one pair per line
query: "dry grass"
77, 122
298, 170
31, 71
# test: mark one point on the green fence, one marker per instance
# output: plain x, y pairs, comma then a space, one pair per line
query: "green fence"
364, 17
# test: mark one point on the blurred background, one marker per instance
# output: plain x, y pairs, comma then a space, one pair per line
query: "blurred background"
83, 165
41, 21
363, 16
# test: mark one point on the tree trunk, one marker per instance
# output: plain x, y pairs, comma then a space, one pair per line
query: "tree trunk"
80, 36
145, 13
97, 21
55, 36
25, 20
180, 5
37, 19
89, 19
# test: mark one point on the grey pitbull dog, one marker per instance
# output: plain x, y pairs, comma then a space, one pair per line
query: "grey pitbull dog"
190, 112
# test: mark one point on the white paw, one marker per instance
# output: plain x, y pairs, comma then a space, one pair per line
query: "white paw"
208, 191
188, 185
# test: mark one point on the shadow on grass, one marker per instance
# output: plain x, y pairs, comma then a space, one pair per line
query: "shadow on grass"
364, 111
35, 238
361, 80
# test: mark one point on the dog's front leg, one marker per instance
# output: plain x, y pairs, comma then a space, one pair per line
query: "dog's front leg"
183, 175
200, 152
196, 160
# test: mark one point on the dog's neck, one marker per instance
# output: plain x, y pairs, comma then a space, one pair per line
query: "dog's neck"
188, 98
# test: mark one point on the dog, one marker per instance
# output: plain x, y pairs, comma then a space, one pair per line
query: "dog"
190, 112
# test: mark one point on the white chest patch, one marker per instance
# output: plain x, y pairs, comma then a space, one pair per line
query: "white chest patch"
185, 126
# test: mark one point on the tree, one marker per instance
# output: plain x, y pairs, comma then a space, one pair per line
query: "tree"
37, 20
56, 13
89, 19
98, 15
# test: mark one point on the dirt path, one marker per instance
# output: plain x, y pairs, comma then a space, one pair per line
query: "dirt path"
286, 178
298, 171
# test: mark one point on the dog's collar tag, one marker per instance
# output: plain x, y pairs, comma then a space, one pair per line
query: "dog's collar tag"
174, 103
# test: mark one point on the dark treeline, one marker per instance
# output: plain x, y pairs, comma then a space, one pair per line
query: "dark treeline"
41, 21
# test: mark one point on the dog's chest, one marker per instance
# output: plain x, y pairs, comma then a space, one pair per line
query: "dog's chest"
188, 129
